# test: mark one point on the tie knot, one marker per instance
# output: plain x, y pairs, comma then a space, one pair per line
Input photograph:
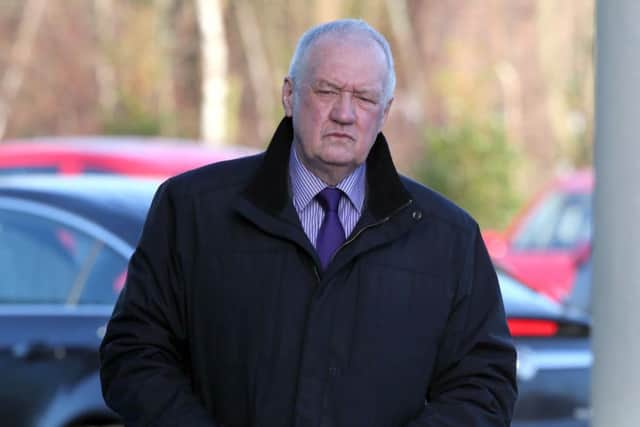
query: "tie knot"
329, 199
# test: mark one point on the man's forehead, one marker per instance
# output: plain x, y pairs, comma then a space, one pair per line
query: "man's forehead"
328, 56
357, 39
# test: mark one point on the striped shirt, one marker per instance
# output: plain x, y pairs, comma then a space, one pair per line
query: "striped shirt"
305, 186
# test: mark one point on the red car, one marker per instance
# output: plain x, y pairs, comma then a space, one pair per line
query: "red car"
551, 236
135, 156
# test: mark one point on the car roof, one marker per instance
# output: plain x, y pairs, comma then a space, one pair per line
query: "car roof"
128, 144
117, 203
149, 155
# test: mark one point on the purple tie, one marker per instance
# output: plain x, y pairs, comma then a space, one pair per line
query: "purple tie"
331, 233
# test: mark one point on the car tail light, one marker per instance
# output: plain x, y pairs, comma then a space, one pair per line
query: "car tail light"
532, 327
540, 328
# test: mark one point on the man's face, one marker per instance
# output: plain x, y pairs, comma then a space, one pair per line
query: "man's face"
339, 106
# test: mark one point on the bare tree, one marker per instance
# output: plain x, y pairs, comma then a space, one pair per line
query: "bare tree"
404, 34
511, 91
260, 76
213, 117
20, 56
166, 37
327, 10
105, 71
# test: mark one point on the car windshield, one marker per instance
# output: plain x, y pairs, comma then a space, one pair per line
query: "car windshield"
562, 221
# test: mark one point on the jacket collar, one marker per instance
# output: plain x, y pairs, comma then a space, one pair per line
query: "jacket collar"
269, 187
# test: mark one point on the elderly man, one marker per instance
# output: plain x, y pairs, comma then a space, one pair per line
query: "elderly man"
311, 285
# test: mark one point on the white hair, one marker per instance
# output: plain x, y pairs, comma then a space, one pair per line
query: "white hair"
342, 27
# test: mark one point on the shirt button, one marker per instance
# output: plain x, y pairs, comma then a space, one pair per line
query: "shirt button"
333, 371
417, 215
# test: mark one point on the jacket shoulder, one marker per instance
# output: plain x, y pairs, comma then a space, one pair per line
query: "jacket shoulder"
225, 176
438, 207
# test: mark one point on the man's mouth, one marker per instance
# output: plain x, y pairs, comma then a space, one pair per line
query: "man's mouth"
340, 135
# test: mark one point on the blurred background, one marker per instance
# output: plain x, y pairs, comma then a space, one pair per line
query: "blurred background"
494, 94
494, 108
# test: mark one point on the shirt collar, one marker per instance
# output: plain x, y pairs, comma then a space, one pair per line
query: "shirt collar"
305, 185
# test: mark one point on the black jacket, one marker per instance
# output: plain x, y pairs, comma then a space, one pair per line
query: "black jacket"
226, 319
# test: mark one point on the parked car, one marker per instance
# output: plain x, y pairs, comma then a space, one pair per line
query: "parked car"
136, 156
550, 237
579, 300
554, 358
65, 246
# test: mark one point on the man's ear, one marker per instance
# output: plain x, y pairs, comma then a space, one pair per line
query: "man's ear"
385, 114
287, 96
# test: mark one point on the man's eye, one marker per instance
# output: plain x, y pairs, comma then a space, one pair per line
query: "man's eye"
368, 100
326, 92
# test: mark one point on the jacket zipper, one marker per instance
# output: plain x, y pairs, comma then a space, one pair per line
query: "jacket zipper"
375, 224
315, 270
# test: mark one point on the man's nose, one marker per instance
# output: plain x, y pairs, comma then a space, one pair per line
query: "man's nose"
343, 110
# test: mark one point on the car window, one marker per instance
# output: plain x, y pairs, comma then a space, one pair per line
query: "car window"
45, 262
10, 170
562, 221
580, 298
104, 282
90, 169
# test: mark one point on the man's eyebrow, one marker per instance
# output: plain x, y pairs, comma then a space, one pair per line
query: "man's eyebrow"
328, 83
360, 91
367, 91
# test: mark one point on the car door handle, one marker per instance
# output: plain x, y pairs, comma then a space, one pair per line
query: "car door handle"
37, 351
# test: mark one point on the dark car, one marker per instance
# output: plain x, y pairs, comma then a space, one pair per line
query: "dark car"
65, 246
554, 358
579, 300
64, 252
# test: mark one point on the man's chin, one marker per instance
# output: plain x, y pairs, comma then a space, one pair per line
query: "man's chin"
340, 167
338, 159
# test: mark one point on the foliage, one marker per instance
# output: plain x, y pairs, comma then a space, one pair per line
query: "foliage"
132, 119
472, 163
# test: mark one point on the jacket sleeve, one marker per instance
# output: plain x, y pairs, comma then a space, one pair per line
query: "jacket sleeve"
474, 381
144, 358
